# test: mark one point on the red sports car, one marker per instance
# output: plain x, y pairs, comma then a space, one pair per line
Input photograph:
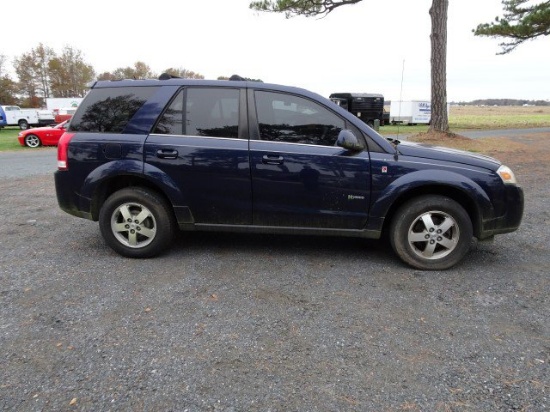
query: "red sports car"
47, 136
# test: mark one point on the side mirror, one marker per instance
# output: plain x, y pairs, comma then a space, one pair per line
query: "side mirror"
348, 141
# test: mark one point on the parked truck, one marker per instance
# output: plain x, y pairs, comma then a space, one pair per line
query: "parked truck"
411, 112
24, 118
366, 106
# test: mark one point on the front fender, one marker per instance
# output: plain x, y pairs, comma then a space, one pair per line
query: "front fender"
414, 181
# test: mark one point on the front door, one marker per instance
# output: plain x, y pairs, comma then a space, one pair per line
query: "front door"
300, 178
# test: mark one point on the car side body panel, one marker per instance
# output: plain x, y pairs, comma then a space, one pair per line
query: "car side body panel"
211, 176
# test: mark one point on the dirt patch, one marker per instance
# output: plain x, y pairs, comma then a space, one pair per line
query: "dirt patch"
524, 152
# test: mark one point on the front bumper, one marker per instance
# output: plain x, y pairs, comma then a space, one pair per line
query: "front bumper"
511, 219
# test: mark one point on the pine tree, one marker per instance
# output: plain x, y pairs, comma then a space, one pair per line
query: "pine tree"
521, 22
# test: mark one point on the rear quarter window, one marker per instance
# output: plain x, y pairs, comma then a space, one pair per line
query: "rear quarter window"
109, 110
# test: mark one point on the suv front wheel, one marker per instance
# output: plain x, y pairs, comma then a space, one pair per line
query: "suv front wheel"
431, 232
136, 222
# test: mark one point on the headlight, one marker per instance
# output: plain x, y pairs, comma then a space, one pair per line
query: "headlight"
20, 134
507, 175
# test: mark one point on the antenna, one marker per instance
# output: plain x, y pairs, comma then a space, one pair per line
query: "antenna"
400, 99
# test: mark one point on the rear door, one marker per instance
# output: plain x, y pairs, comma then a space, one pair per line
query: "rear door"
300, 178
201, 144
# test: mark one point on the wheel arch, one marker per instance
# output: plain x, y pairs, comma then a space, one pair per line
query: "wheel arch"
113, 184
457, 186
460, 196
101, 184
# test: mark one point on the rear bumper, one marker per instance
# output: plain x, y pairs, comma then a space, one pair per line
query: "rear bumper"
511, 220
68, 200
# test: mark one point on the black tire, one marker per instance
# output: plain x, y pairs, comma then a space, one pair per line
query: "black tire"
130, 234
23, 124
32, 140
431, 232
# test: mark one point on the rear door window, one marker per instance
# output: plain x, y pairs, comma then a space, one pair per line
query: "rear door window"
209, 112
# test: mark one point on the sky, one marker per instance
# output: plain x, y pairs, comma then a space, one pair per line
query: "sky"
371, 47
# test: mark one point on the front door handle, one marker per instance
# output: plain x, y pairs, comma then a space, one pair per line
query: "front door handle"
272, 160
167, 154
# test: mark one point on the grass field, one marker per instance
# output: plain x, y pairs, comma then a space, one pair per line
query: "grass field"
8, 139
484, 118
460, 118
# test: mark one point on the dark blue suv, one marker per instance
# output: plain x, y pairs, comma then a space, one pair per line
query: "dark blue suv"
144, 157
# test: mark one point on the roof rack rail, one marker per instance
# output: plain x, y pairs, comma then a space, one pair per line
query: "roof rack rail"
167, 76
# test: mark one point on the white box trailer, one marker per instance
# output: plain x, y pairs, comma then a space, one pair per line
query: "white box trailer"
411, 112
57, 103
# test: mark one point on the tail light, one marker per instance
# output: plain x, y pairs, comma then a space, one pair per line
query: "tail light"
63, 151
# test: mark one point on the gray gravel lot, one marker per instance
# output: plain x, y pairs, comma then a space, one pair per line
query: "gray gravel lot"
30, 162
247, 322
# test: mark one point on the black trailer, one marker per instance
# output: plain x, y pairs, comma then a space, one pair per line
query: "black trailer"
366, 106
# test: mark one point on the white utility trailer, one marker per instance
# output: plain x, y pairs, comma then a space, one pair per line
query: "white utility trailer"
411, 112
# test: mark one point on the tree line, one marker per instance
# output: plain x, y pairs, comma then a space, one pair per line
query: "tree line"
43, 73
504, 102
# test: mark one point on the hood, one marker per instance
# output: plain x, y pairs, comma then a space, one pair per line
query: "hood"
446, 154
35, 129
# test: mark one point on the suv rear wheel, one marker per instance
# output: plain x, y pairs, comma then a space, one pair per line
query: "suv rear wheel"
431, 232
136, 222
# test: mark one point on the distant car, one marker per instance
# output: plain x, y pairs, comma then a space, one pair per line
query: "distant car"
47, 136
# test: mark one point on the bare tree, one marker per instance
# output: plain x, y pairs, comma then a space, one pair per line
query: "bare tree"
183, 73
2, 64
8, 88
139, 71
32, 70
69, 74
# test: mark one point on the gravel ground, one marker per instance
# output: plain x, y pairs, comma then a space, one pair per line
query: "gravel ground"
270, 323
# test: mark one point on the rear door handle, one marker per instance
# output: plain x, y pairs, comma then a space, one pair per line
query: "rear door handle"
273, 160
167, 154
